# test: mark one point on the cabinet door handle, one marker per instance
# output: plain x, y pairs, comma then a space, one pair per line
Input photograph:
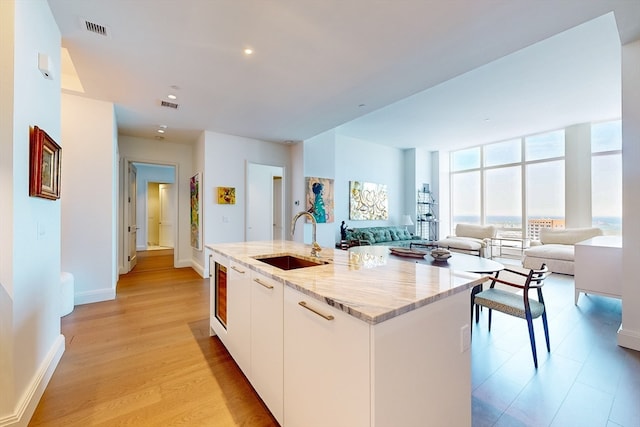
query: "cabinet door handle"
260, 282
326, 316
237, 269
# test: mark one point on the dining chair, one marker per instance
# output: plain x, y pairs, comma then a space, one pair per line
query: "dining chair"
515, 303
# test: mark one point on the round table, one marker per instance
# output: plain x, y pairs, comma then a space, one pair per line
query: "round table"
464, 262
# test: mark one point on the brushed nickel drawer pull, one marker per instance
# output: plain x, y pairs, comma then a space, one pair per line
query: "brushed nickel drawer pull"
326, 316
237, 269
258, 281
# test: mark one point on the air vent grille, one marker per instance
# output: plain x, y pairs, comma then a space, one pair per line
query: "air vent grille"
96, 28
169, 104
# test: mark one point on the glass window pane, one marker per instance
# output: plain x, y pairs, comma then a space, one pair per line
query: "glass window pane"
606, 193
606, 136
544, 146
503, 199
502, 153
466, 159
465, 198
545, 196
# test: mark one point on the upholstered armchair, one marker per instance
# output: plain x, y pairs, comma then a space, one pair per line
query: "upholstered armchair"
471, 238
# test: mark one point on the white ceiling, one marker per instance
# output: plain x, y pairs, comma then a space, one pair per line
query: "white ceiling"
406, 73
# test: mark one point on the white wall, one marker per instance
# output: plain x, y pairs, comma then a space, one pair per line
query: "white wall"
629, 334
358, 160
199, 257
319, 162
30, 340
166, 153
89, 176
225, 159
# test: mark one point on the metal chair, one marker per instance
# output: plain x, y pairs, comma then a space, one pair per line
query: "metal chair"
515, 304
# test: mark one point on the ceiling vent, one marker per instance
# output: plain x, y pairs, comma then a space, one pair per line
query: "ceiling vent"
169, 104
92, 27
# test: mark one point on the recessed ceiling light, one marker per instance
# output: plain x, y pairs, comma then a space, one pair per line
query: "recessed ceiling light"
160, 130
172, 96
248, 51
162, 126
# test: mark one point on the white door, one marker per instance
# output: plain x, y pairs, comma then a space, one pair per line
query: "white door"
259, 203
166, 215
278, 227
132, 228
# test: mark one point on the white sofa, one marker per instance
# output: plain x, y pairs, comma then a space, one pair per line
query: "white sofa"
556, 248
470, 238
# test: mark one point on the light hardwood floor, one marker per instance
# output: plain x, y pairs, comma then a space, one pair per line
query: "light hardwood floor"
145, 359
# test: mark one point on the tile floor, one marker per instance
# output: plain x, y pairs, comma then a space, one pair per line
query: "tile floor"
586, 379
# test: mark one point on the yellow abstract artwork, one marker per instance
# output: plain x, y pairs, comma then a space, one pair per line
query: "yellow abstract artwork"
226, 195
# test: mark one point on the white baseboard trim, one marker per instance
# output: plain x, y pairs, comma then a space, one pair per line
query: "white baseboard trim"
198, 268
31, 397
182, 263
629, 339
94, 296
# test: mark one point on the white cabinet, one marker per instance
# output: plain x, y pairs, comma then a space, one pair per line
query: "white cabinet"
326, 359
267, 342
598, 266
238, 340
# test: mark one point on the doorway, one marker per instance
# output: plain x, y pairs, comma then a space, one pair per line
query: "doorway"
151, 196
265, 202
159, 216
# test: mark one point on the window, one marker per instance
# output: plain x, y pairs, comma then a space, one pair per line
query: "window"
466, 198
503, 153
487, 184
545, 196
503, 198
544, 146
466, 159
606, 137
606, 177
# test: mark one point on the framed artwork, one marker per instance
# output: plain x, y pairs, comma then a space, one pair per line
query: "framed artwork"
368, 201
319, 198
196, 227
44, 165
226, 195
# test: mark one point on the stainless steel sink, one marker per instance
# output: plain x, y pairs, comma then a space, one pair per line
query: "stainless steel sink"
289, 262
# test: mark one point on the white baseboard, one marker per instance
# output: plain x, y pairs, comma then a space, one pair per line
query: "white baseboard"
198, 268
94, 296
31, 397
181, 263
628, 339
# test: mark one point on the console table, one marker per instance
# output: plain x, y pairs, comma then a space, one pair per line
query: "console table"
598, 266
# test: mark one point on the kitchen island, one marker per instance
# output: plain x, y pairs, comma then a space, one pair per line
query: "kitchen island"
360, 340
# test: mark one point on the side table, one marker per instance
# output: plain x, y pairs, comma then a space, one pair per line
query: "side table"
500, 243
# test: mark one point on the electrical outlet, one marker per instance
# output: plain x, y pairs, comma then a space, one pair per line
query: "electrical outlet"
465, 338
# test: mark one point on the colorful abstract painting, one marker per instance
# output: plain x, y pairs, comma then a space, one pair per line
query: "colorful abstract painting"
227, 195
368, 201
196, 229
319, 198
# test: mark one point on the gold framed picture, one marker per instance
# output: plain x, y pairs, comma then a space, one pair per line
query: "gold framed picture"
44, 165
226, 195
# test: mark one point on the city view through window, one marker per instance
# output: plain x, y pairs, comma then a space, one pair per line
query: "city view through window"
487, 183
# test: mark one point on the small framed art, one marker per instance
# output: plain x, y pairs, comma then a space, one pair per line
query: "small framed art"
226, 195
44, 165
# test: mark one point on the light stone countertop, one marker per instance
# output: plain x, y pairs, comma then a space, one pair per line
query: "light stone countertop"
367, 284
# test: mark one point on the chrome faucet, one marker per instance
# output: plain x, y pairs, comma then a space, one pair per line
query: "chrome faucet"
315, 247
